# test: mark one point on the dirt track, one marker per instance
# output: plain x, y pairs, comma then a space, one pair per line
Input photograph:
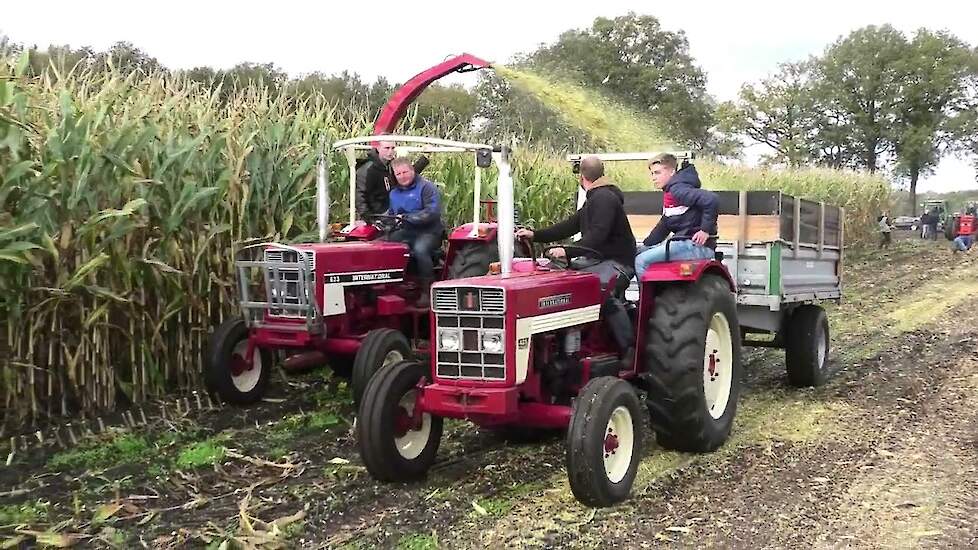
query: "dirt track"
883, 456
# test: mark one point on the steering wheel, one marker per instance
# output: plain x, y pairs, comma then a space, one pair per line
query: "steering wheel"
384, 221
564, 262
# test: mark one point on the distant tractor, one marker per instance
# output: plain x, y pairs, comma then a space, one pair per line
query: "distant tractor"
526, 350
350, 300
946, 220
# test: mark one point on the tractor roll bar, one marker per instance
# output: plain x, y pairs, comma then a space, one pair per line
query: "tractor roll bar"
421, 145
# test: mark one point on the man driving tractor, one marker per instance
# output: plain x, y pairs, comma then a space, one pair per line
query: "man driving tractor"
604, 228
416, 203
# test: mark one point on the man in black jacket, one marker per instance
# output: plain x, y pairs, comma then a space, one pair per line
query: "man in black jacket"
375, 179
604, 227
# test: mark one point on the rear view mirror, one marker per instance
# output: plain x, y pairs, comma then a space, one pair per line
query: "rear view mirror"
483, 158
576, 167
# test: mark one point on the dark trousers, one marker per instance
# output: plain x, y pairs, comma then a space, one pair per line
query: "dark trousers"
423, 244
613, 310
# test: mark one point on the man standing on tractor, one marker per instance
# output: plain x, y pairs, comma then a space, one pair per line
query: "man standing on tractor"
688, 212
375, 179
604, 228
416, 202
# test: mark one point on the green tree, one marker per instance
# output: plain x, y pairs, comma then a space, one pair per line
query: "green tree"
449, 108
859, 84
633, 59
940, 76
507, 112
778, 112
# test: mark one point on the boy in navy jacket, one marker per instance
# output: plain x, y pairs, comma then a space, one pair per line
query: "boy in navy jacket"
688, 211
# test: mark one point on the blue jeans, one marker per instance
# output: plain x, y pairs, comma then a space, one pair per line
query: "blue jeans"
423, 245
678, 250
963, 243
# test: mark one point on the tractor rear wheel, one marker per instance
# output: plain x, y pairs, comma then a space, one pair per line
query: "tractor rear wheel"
395, 444
693, 366
473, 259
227, 371
806, 346
604, 441
381, 348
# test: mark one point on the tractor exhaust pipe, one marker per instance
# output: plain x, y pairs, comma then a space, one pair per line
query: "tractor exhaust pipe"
322, 194
506, 209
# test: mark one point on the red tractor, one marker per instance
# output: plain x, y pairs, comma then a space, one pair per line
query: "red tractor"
527, 349
348, 300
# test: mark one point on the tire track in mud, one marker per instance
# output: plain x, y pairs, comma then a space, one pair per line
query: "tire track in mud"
546, 520
728, 498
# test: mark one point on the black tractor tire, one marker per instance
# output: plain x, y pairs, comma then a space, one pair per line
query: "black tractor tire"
473, 259
951, 227
387, 456
675, 357
806, 346
226, 346
381, 347
604, 441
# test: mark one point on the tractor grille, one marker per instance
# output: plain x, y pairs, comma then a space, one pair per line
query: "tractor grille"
283, 280
288, 256
464, 299
471, 361
472, 316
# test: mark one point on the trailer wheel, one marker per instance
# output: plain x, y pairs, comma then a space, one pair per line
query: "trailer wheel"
394, 444
381, 348
227, 371
604, 442
473, 259
806, 348
693, 366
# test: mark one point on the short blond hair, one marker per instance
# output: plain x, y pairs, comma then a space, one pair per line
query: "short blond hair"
401, 161
665, 159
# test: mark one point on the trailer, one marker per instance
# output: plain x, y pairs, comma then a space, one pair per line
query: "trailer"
785, 256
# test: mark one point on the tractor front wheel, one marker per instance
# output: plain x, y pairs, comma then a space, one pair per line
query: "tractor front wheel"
381, 348
604, 442
227, 371
397, 442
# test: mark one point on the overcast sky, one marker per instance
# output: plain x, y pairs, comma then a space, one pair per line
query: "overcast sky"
734, 42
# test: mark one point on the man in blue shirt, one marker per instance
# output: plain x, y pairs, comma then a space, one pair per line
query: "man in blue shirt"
417, 203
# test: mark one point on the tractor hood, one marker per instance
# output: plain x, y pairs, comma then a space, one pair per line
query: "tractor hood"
531, 294
359, 258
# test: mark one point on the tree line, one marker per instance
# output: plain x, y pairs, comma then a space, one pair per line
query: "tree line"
874, 100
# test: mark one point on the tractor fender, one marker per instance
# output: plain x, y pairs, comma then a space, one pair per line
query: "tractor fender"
685, 271
486, 233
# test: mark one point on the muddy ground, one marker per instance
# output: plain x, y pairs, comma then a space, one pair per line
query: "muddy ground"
883, 456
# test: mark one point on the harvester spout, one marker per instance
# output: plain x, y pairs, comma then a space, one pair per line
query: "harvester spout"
398, 103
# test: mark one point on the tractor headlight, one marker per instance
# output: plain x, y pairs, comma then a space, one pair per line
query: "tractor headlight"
492, 342
448, 340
